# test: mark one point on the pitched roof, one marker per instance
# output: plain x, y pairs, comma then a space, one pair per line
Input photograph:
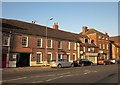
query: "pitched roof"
21, 27
92, 30
116, 39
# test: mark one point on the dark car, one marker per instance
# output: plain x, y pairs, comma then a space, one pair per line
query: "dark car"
83, 62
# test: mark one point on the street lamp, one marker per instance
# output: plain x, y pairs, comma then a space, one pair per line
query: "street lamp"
47, 34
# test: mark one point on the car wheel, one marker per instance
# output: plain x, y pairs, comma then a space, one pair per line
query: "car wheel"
91, 64
72, 65
59, 66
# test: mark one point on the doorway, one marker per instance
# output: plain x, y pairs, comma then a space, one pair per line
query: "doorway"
23, 60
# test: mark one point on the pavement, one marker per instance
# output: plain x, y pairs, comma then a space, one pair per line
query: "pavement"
24, 69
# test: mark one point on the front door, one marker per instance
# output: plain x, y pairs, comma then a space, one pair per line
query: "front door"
4, 59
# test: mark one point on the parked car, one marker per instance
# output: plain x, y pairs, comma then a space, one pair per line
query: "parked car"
103, 62
61, 63
83, 62
113, 61
118, 61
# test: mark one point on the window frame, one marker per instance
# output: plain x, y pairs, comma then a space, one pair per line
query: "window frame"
41, 58
4, 39
50, 43
60, 44
24, 41
40, 42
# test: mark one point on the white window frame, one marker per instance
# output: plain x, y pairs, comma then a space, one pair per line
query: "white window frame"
68, 45
40, 58
50, 54
83, 40
40, 42
99, 37
84, 49
74, 45
89, 49
69, 56
8, 40
99, 45
103, 46
26, 41
51, 43
60, 44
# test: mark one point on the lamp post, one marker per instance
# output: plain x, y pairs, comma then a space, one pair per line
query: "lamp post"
47, 34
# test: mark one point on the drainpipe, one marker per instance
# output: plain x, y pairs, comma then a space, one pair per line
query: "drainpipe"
8, 58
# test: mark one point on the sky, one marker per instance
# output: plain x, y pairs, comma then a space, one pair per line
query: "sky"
71, 16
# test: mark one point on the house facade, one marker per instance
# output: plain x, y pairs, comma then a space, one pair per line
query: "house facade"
100, 39
115, 47
27, 44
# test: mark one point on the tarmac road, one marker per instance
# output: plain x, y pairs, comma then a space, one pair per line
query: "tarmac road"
87, 74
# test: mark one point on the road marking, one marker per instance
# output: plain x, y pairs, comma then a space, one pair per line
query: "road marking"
37, 82
85, 73
15, 79
63, 73
42, 76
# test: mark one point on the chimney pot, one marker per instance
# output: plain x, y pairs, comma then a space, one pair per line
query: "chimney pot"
84, 29
55, 26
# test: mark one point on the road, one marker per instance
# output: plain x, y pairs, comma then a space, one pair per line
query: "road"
87, 74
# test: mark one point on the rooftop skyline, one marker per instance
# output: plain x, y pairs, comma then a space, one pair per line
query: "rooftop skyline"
102, 16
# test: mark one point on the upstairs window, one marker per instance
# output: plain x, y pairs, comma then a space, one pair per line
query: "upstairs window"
99, 45
68, 45
49, 43
39, 42
59, 44
103, 46
5, 40
25, 41
74, 46
86, 40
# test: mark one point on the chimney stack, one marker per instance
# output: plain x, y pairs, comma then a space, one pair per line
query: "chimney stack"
55, 26
84, 29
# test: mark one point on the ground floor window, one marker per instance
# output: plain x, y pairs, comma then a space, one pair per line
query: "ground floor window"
39, 58
74, 56
68, 57
49, 57
59, 56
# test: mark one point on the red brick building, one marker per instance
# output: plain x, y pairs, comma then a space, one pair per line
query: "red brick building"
115, 47
100, 39
26, 44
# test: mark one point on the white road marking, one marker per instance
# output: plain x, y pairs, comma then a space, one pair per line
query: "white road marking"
37, 82
85, 73
42, 76
63, 73
14, 79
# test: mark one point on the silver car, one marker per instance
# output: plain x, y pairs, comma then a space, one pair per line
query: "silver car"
61, 63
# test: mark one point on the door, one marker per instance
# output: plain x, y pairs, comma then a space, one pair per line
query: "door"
4, 60
49, 58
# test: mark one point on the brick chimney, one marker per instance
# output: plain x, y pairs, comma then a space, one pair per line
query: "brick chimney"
55, 26
84, 29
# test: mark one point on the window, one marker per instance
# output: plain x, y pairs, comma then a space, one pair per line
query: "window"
103, 37
59, 44
49, 57
99, 37
39, 43
86, 40
49, 43
68, 45
99, 45
83, 49
103, 46
74, 45
5, 40
92, 41
39, 58
25, 41
59, 56
74, 56
89, 49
